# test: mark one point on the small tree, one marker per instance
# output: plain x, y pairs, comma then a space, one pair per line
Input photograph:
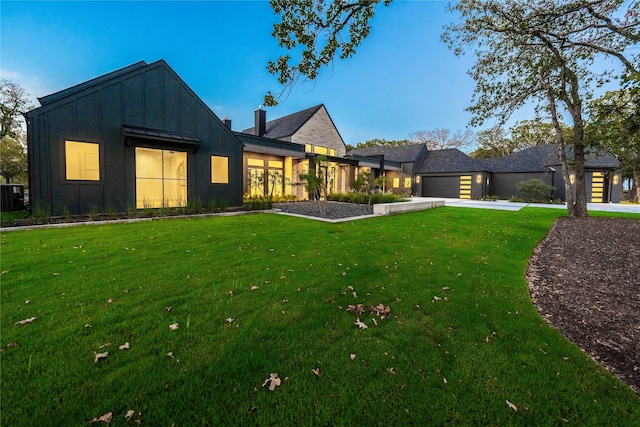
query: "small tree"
13, 160
366, 184
536, 190
315, 182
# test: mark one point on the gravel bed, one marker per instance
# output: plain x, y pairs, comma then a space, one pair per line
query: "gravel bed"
335, 210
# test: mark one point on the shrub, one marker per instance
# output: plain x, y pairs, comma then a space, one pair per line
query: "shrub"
535, 190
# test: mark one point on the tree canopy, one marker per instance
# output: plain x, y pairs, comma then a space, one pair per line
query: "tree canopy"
615, 126
316, 31
543, 52
14, 100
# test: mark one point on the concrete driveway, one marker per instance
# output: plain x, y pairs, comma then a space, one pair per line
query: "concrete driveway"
513, 206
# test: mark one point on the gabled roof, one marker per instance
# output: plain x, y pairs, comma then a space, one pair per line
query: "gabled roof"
534, 159
540, 157
448, 160
287, 125
400, 154
89, 83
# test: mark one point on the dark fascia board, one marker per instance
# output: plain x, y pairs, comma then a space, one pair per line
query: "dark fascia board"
159, 135
246, 138
333, 159
95, 81
374, 162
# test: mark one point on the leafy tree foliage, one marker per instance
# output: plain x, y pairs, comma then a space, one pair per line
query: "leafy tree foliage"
380, 142
496, 142
14, 101
316, 31
543, 52
615, 126
13, 159
440, 139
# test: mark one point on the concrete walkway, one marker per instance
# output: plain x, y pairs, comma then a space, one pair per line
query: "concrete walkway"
514, 206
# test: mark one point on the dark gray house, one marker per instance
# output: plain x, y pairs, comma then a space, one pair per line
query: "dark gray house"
136, 137
451, 173
602, 171
398, 163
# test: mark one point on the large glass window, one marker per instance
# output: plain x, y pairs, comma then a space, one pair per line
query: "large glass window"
276, 175
161, 178
82, 161
255, 177
219, 170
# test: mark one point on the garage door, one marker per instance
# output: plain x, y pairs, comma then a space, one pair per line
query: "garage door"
441, 186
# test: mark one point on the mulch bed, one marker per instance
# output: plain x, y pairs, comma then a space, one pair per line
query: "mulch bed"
584, 278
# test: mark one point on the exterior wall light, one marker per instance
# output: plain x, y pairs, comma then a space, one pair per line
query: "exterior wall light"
478, 179
615, 179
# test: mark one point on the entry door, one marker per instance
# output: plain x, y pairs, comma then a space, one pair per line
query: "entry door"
465, 186
597, 187
161, 178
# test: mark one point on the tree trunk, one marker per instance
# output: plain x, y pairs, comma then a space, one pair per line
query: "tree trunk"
634, 191
562, 152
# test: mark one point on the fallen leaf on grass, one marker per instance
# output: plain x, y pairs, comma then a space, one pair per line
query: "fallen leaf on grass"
436, 298
124, 346
391, 371
273, 381
173, 326
356, 308
105, 345
168, 308
230, 319
512, 406
380, 310
106, 418
353, 356
100, 356
129, 415
12, 345
110, 300
360, 324
87, 325
316, 371
444, 380
254, 287
170, 354
25, 321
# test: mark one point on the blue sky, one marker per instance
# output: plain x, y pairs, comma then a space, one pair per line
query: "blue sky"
402, 78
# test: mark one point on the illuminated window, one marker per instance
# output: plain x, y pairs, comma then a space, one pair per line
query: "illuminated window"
332, 152
161, 178
219, 170
320, 150
308, 148
82, 161
255, 177
396, 182
276, 174
407, 183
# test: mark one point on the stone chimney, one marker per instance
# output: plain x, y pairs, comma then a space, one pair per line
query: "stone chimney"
260, 122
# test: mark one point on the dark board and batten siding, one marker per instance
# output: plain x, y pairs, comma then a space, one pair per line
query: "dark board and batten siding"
149, 96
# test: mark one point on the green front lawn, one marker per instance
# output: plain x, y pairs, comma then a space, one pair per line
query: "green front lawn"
461, 342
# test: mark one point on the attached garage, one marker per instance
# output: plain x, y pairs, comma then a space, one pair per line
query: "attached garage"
441, 186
